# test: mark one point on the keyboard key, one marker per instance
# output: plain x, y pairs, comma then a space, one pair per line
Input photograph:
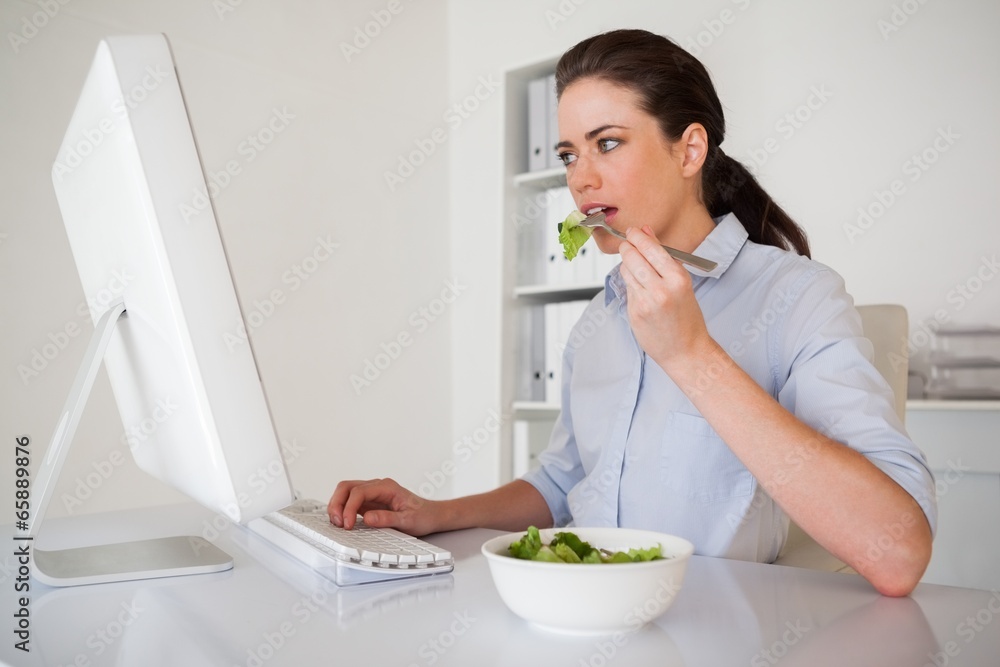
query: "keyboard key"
345, 550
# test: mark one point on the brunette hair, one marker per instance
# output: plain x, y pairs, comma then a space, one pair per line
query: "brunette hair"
676, 89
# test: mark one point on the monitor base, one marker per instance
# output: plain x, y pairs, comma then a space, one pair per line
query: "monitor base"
129, 561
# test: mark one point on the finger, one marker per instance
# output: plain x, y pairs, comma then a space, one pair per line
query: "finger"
408, 512
354, 505
361, 497
335, 508
380, 494
388, 519
649, 247
635, 269
626, 273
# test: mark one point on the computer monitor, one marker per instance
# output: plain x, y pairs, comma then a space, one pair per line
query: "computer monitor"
140, 222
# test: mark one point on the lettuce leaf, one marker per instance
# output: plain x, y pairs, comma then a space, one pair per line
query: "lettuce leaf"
547, 554
528, 546
569, 548
652, 553
579, 547
566, 553
572, 235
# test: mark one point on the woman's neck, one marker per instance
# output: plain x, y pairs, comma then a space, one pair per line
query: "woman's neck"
693, 226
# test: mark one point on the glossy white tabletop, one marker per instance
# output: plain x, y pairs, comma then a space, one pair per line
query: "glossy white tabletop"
270, 611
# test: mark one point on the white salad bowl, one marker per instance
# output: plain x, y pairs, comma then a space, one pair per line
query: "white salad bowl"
581, 598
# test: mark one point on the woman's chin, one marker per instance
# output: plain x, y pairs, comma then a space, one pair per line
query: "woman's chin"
607, 243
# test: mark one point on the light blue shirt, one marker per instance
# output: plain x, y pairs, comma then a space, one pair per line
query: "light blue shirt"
630, 449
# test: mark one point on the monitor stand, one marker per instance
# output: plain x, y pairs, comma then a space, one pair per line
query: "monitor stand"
144, 559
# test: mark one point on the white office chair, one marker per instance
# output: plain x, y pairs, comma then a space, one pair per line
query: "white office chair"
887, 327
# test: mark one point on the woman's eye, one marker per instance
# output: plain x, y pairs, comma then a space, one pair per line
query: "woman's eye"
567, 158
606, 145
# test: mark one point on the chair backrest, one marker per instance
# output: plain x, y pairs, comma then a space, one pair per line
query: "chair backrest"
888, 328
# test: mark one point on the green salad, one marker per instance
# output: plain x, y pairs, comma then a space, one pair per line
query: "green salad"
572, 235
569, 548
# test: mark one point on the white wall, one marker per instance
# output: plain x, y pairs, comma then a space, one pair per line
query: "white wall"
890, 92
321, 177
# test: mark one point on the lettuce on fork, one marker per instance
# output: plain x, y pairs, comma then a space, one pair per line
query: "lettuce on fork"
572, 235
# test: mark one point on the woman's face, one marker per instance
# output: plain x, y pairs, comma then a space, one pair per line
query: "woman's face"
617, 158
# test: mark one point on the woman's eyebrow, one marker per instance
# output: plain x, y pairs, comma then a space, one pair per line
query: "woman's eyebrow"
590, 135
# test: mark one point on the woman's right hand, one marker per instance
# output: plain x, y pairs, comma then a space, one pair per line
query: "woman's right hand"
384, 504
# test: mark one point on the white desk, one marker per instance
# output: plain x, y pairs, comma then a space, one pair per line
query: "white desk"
269, 611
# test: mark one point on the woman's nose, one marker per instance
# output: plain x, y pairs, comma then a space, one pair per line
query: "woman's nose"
583, 176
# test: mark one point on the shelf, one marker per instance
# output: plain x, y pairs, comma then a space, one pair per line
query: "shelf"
950, 393
939, 360
535, 409
987, 330
543, 179
540, 409
922, 404
555, 293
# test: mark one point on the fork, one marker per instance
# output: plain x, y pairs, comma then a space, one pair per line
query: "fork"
598, 220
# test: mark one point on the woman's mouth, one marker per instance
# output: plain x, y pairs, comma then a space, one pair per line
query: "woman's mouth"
609, 212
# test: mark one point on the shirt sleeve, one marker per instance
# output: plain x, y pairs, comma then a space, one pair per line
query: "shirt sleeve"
826, 378
560, 467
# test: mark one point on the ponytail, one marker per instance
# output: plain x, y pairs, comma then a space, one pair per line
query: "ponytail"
728, 186
676, 89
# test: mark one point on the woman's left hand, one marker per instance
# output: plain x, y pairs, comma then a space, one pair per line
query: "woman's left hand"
664, 314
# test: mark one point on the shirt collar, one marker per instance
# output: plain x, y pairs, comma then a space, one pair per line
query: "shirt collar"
722, 245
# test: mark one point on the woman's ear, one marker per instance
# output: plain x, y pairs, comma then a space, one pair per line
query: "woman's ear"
694, 143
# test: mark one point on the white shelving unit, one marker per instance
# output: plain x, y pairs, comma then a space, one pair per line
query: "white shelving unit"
524, 292
959, 439
965, 364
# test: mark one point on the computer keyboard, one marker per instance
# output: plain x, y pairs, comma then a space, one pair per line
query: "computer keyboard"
345, 557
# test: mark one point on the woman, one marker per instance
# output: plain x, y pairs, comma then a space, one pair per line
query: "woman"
712, 405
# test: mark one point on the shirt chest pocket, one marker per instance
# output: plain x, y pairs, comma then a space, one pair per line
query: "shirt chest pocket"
696, 464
